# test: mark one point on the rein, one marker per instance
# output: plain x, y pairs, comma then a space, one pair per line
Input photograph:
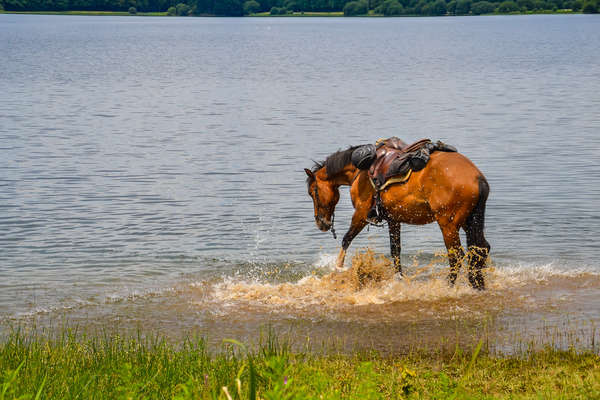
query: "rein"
332, 228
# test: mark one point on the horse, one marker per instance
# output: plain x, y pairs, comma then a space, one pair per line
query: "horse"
449, 190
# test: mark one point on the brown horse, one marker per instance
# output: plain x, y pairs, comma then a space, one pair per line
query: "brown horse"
449, 190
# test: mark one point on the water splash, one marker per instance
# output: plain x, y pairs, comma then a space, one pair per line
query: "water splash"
370, 289
350, 293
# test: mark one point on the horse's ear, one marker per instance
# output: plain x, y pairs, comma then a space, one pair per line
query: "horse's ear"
309, 173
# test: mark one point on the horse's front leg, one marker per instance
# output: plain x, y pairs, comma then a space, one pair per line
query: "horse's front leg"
359, 221
395, 244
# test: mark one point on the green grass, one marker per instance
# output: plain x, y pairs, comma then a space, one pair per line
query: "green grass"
72, 366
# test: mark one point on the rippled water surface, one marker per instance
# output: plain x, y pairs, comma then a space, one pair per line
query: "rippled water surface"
152, 168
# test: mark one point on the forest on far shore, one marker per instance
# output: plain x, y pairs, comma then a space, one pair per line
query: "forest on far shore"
287, 7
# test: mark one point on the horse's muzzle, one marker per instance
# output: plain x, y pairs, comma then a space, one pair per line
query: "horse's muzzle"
322, 224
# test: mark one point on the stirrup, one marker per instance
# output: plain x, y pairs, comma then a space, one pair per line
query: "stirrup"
374, 217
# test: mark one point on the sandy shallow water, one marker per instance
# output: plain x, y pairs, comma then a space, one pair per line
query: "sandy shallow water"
365, 306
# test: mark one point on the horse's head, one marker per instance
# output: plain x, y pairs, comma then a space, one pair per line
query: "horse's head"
325, 195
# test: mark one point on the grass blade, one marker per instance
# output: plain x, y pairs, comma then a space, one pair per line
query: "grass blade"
39, 392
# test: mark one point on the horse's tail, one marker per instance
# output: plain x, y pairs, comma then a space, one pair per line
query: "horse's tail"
484, 192
475, 222
479, 248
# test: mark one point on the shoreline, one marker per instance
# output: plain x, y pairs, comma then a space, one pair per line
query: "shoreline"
332, 14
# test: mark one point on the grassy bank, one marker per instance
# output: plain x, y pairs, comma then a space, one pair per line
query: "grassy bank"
112, 367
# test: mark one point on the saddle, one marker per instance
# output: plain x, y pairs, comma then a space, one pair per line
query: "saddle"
392, 161
394, 158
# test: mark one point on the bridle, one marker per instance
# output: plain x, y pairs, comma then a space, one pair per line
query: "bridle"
319, 214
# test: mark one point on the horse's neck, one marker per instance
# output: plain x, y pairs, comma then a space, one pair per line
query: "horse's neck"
345, 177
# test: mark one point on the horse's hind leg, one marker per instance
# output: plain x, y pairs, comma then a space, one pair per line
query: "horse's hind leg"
478, 247
395, 244
455, 251
479, 250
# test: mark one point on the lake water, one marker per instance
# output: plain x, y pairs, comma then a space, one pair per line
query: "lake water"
152, 168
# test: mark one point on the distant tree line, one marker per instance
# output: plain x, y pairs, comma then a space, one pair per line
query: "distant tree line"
281, 7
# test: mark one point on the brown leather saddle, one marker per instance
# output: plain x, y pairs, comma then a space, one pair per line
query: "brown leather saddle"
395, 158
393, 162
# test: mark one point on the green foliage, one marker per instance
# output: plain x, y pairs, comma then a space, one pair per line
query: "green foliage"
539, 5
250, 7
482, 7
171, 11
292, 5
229, 8
394, 9
182, 9
390, 8
508, 6
463, 7
278, 11
421, 7
1, 6
525, 5
353, 8
451, 7
437, 8
132, 11
203, 7
590, 7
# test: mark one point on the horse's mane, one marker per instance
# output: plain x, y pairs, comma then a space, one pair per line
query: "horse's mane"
334, 163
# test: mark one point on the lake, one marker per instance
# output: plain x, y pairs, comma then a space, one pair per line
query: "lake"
152, 169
